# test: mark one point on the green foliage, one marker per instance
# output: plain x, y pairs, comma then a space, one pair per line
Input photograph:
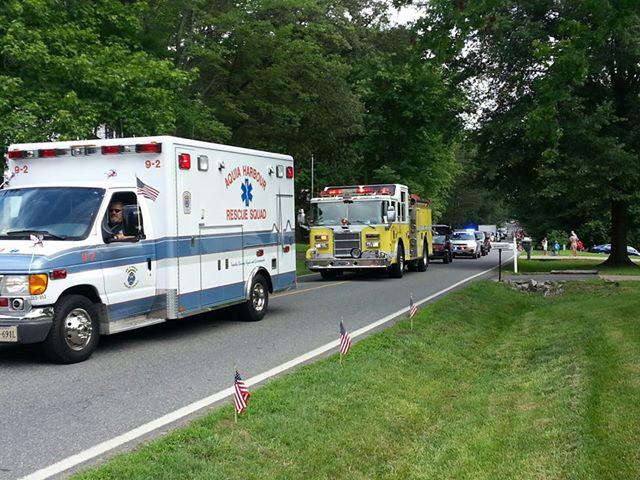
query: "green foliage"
559, 85
69, 67
328, 78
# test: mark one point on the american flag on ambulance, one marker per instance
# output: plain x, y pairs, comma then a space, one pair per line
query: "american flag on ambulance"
413, 308
345, 340
241, 396
146, 191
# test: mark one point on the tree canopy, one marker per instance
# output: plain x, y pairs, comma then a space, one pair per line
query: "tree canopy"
557, 83
328, 78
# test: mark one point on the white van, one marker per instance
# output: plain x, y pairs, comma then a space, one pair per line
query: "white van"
102, 236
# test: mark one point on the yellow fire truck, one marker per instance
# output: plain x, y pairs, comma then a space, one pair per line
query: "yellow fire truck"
369, 227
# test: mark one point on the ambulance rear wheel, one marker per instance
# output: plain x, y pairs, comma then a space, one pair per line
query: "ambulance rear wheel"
75, 330
256, 306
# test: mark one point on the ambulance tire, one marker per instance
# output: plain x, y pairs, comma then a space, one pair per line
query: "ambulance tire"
74, 318
423, 263
253, 310
397, 269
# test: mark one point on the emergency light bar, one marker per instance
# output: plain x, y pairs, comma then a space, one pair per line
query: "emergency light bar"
85, 150
359, 190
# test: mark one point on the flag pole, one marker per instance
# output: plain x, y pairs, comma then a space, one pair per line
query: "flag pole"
235, 410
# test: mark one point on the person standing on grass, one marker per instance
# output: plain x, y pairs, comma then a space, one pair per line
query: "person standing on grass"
573, 240
544, 244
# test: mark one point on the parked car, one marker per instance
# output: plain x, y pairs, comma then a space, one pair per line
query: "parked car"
606, 248
465, 244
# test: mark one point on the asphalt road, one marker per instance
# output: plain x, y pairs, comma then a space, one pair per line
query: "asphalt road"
50, 412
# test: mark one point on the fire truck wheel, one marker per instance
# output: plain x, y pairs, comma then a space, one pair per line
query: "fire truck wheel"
329, 274
423, 263
254, 309
75, 330
397, 269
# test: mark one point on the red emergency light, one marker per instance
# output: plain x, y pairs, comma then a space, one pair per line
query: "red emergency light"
184, 161
111, 149
149, 148
364, 190
331, 192
4, 302
289, 172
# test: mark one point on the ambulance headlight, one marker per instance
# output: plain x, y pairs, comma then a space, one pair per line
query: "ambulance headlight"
322, 245
322, 238
16, 285
373, 244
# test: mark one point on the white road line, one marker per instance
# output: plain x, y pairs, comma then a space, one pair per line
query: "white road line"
120, 440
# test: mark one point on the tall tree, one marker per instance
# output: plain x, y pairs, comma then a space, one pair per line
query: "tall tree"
560, 84
68, 67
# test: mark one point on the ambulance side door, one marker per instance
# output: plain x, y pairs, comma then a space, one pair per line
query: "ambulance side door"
129, 265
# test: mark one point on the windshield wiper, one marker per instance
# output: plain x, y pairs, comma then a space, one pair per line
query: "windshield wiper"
44, 233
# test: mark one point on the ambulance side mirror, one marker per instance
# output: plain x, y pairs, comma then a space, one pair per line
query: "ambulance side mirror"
132, 222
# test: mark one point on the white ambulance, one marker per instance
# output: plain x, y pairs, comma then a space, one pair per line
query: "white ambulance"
102, 236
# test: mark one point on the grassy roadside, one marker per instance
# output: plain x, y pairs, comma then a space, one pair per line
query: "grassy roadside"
491, 383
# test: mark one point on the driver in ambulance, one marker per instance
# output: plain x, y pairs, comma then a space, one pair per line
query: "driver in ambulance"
114, 228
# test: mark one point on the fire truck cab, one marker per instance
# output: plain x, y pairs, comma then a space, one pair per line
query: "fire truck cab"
369, 227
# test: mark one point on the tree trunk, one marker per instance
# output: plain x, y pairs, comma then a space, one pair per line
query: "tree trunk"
619, 229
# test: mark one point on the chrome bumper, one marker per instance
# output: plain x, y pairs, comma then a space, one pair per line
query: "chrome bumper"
347, 263
33, 326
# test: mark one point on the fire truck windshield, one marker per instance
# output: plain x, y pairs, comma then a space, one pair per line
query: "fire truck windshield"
56, 213
365, 212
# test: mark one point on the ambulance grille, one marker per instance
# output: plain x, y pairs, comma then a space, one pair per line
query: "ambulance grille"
343, 243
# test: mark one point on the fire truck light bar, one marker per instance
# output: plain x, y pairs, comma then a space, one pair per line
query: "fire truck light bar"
359, 190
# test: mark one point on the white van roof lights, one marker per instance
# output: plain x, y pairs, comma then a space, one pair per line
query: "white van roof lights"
82, 150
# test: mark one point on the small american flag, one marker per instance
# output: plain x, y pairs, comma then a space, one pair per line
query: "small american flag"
146, 190
241, 396
345, 340
413, 308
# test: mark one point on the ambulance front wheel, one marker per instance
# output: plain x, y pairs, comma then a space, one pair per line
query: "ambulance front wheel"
75, 330
256, 306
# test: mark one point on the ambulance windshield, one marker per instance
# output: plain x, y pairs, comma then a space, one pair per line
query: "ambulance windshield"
54, 213
359, 212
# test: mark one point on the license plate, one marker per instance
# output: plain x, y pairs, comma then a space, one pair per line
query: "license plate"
8, 334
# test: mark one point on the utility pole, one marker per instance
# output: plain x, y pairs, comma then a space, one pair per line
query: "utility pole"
312, 175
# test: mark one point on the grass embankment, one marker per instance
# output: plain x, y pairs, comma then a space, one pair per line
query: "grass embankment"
491, 383
301, 267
